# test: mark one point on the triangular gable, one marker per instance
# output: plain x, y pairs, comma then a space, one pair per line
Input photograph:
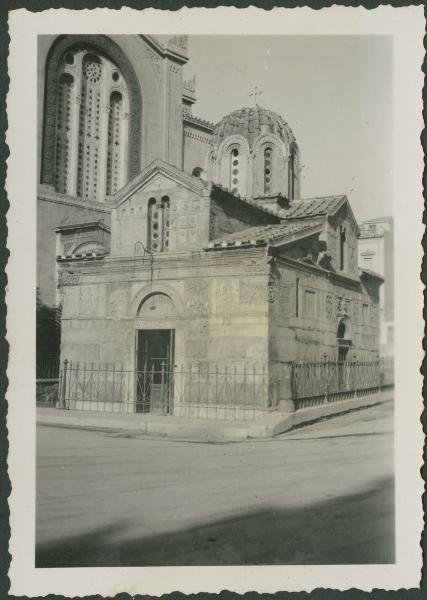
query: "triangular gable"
313, 207
345, 203
157, 175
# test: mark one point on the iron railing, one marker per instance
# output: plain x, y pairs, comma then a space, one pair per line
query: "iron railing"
209, 390
315, 383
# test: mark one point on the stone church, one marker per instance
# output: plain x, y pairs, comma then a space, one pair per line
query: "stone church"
165, 236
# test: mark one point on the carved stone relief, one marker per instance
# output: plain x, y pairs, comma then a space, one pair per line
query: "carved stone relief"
89, 297
226, 295
118, 302
65, 278
329, 307
197, 296
251, 292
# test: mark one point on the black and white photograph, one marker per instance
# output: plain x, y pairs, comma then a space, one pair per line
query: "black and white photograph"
215, 300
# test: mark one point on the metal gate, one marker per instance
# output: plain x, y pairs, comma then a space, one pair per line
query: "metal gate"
154, 373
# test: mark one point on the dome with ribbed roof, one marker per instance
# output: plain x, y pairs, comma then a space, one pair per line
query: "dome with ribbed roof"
251, 122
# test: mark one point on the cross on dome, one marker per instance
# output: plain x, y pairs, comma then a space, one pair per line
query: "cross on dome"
255, 93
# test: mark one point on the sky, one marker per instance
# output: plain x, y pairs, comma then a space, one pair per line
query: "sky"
334, 91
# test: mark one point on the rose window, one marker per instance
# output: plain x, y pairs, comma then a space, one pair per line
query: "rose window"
93, 71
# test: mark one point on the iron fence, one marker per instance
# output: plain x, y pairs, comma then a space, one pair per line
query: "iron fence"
216, 391
387, 371
201, 391
315, 383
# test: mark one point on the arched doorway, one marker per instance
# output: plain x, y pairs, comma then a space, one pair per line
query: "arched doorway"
343, 340
344, 343
155, 349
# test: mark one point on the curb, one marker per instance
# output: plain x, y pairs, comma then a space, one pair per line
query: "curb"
212, 431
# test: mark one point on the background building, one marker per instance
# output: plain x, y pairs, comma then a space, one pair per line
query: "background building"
376, 253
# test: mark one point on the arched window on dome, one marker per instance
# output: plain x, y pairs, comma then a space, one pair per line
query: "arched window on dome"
268, 169
293, 173
234, 170
91, 128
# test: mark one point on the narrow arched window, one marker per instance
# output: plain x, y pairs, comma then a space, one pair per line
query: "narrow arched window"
165, 223
268, 160
342, 248
292, 174
115, 142
91, 128
63, 132
234, 171
153, 229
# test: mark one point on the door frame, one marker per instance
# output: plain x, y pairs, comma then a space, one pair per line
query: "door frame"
169, 383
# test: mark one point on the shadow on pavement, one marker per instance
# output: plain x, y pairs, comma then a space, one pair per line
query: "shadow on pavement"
354, 529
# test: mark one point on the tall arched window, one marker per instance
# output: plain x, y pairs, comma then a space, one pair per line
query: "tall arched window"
343, 256
268, 161
234, 170
63, 131
91, 128
158, 225
165, 223
114, 142
153, 229
292, 174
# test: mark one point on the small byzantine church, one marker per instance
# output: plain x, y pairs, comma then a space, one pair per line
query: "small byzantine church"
165, 236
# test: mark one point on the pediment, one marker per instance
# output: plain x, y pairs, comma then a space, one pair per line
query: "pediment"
158, 182
159, 175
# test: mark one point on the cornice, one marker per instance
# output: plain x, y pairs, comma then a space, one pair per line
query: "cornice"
133, 267
303, 266
47, 194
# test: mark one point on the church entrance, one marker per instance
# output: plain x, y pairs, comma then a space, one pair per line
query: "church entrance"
154, 365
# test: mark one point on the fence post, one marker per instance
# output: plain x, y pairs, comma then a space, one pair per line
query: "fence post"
63, 385
162, 387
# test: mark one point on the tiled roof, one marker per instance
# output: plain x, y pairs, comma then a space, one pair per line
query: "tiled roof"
248, 201
311, 207
261, 235
250, 122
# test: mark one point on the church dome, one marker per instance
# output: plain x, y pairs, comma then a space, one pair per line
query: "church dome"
254, 154
251, 122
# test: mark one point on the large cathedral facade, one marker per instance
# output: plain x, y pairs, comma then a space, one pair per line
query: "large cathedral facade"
159, 232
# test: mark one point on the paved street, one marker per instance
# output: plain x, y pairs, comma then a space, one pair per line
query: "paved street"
322, 494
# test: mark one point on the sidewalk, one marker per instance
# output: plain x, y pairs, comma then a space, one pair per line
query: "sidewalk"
203, 430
